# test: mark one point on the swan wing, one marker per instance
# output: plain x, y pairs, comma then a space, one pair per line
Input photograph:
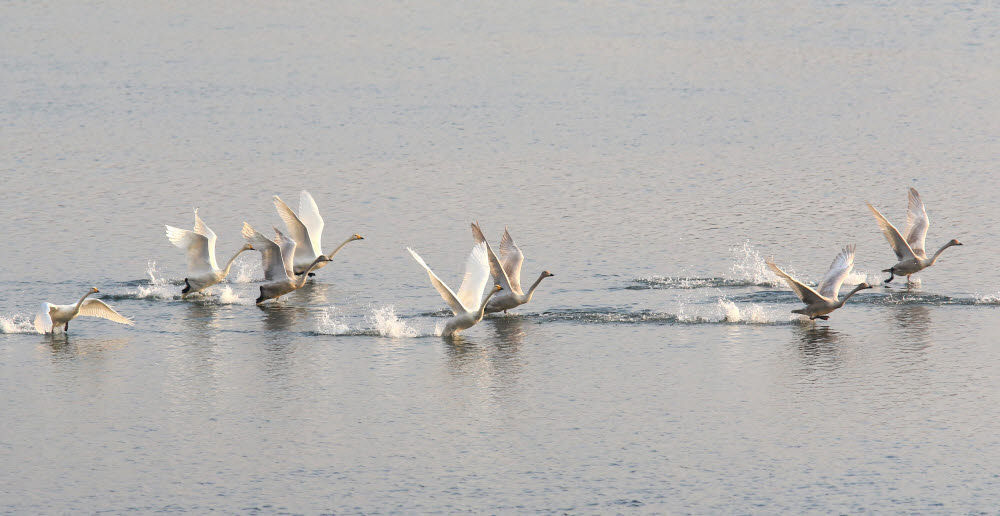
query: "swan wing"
312, 220
496, 269
806, 294
43, 320
270, 253
511, 258
477, 275
97, 308
899, 246
916, 224
296, 229
203, 230
839, 269
287, 247
446, 293
197, 249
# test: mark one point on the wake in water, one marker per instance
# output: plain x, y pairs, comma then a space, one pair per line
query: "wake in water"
17, 323
160, 288
749, 270
381, 321
723, 312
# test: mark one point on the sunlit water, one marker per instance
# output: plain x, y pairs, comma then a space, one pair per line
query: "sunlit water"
651, 156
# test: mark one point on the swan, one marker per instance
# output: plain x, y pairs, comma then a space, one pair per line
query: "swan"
507, 273
909, 251
202, 270
825, 301
306, 229
277, 260
52, 316
466, 305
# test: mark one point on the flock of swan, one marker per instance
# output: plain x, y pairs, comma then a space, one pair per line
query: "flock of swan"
288, 260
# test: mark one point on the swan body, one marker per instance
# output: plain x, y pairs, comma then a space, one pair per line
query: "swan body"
819, 304
468, 304
202, 269
50, 317
506, 272
910, 251
276, 258
306, 229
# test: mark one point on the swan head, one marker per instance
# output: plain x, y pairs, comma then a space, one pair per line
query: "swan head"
93, 290
954, 241
357, 237
497, 288
863, 286
547, 274
247, 247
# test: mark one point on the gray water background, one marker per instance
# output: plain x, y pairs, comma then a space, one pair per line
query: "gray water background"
649, 155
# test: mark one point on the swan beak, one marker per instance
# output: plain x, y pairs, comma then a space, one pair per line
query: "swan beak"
359, 237
497, 287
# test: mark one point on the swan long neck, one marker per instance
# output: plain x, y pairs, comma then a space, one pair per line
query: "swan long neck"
535, 285
482, 306
339, 247
300, 279
939, 251
80, 302
849, 294
225, 272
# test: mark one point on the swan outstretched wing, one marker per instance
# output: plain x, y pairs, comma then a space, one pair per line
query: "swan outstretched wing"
446, 293
916, 224
511, 258
296, 229
839, 269
97, 308
312, 220
288, 247
496, 269
43, 320
477, 275
806, 294
202, 229
270, 254
197, 249
899, 246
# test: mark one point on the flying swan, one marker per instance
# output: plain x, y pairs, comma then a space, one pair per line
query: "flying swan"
909, 251
824, 302
276, 257
202, 270
52, 316
466, 305
506, 272
306, 229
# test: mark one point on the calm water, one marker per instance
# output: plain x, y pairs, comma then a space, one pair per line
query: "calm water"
649, 156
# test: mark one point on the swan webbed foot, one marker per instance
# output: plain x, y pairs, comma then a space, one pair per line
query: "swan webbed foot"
892, 275
260, 298
824, 317
311, 274
187, 287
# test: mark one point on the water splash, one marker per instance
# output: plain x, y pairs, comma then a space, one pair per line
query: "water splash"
247, 271
751, 267
17, 323
227, 296
752, 314
724, 312
158, 287
382, 321
988, 299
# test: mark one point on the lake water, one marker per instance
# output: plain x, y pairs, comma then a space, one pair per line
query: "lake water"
651, 156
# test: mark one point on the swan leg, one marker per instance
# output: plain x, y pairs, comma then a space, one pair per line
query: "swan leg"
311, 274
260, 299
824, 317
66, 326
892, 274
908, 280
187, 288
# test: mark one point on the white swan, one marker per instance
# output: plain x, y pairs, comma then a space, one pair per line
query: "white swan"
909, 251
276, 257
52, 316
506, 272
202, 270
306, 229
825, 301
466, 305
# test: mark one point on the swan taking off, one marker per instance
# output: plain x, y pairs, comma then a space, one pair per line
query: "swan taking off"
202, 270
276, 257
506, 272
825, 301
909, 251
52, 316
306, 229
468, 304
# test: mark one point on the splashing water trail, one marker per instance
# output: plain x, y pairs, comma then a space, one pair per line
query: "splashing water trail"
17, 323
159, 287
247, 271
331, 322
388, 324
752, 267
988, 299
753, 314
227, 296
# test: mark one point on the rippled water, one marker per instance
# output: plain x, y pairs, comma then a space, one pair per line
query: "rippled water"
651, 156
